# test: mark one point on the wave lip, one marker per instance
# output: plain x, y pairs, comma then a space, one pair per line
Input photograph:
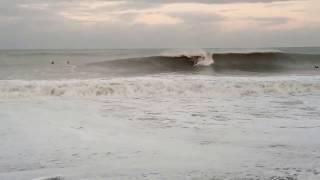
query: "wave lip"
161, 87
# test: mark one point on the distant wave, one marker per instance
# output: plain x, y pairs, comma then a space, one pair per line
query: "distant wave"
165, 86
218, 62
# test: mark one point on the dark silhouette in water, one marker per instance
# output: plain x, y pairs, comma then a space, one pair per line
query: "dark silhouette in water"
316, 67
52, 62
68, 62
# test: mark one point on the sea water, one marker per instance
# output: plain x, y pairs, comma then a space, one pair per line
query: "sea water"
156, 114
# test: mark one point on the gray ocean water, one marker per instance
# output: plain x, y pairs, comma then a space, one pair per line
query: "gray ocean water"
160, 114
85, 64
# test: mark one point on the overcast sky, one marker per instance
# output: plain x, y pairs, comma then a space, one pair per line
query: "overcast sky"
158, 23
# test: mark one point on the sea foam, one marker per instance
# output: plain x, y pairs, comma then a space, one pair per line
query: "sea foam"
162, 86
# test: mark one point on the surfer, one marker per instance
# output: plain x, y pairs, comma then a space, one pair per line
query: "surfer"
195, 59
68, 62
52, 62
316, 67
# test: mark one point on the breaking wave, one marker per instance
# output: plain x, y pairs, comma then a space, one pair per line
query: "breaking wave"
163, 87
216, 62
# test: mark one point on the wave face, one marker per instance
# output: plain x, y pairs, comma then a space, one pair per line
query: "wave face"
266, 61
81, 64
215, 63
163, 87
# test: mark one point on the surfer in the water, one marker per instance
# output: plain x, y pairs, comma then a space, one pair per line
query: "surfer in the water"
195, 59
316, 67
52, 62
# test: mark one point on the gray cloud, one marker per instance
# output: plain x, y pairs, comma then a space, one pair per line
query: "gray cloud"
204, 1
13, 7
197, 19
271, 21
23, 27
153, 3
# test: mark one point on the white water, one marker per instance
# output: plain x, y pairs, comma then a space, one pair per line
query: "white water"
164, 86
160, 138
59, 121
205, 60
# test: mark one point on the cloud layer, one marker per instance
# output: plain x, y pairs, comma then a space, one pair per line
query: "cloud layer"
143, 23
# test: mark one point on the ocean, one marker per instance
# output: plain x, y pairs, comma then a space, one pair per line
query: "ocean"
160, 114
